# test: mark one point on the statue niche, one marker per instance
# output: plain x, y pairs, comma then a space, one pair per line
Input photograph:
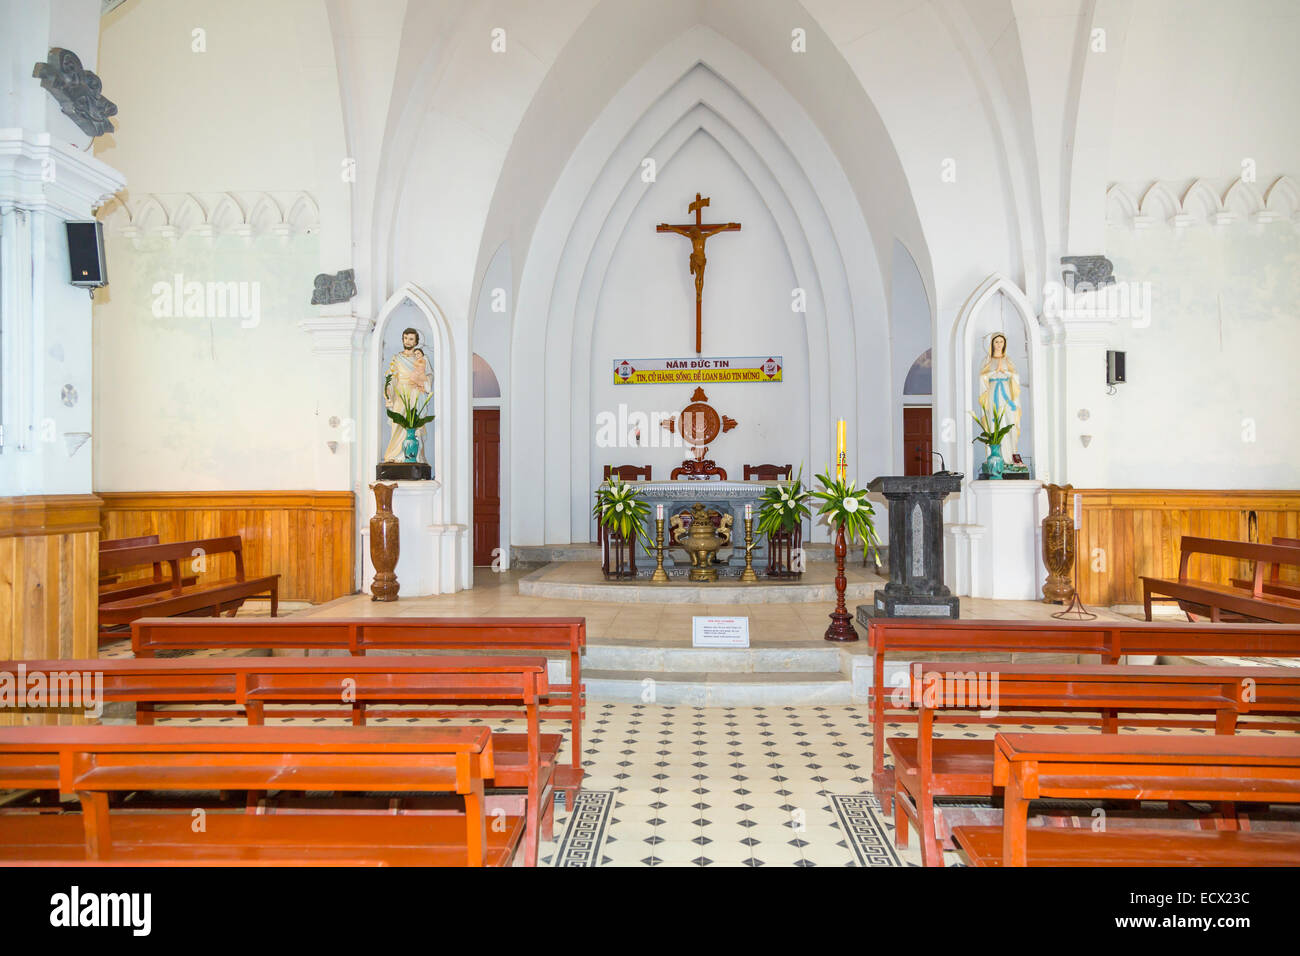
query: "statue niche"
408, 406
1000, 390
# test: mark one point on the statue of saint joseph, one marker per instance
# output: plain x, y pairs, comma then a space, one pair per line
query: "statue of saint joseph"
410, 380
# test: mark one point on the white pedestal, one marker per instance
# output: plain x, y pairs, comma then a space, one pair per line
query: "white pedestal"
428, 561
1006, 553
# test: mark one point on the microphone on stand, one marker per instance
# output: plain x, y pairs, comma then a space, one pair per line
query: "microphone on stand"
944, 472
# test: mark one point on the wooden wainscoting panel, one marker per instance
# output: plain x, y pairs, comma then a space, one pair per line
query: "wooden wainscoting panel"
49, 576
1128, 533
307, 537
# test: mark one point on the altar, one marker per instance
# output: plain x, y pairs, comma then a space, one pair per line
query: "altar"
727, 497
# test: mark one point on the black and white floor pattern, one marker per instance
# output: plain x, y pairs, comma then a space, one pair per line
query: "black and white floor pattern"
745, 786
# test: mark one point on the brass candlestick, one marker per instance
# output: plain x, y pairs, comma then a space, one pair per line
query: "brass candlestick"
748, 574
660, 576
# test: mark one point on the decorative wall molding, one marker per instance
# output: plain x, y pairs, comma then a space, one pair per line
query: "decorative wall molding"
78, 91
40, 174
336, 332
248, 215
1201, 202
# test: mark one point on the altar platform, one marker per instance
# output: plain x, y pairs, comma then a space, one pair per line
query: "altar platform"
629, 643
583, 581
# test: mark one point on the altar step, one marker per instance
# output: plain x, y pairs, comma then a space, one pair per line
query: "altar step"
718, 688
716, 677
744, 660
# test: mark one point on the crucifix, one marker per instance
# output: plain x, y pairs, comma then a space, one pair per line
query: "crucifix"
698, 232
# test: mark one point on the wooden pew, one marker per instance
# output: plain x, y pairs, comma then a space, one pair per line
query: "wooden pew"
94, 762
1216, 769
925, 767
911, 639
1274, 584
178, 598
1214, 599
135, 586
361, 686
358, 636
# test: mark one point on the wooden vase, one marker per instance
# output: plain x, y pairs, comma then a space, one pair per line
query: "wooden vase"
1058, 545
384, 544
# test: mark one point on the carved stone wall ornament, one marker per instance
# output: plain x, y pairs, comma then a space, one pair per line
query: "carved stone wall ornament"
77, 91
332, 289
1092, 271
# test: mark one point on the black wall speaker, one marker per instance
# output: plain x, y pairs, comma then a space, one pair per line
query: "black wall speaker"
1115, 367
86, 254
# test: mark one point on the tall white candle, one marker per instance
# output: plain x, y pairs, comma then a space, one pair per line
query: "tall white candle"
659, 512
749, 511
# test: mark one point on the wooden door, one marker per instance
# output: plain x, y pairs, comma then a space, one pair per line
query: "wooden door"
487, 484
916, 441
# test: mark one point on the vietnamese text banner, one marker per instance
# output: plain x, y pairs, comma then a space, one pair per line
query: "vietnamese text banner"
698, 370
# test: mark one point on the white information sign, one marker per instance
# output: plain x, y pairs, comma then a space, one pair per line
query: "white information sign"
720, 632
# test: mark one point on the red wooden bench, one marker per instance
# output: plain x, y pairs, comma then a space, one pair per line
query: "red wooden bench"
912, 639
94, 762
1071, 766
1213, 599
363, 686
926, 768
178, 598
134, 586
1274, 583
358, 636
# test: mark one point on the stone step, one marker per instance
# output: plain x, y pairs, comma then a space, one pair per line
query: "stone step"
718, 689
775, 660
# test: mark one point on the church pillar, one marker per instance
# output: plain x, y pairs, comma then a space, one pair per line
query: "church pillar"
49, 517
1086, 410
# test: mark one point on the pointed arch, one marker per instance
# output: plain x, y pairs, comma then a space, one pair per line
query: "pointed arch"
964, 351
699, 83
448, 432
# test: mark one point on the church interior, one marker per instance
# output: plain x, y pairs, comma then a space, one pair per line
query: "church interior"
644, 433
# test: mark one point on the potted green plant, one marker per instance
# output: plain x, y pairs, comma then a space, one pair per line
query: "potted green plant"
412, 418
620, 514
846, 506
781, 513
991, 433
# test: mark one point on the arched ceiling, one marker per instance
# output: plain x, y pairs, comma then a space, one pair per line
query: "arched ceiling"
516, 117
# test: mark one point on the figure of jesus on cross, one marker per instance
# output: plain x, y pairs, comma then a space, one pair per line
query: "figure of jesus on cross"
698, 232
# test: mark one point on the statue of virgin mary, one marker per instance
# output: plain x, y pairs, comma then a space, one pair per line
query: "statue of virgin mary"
1000, 389
409, 381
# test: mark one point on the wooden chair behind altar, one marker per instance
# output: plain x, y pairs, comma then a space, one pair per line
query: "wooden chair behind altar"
768, 472
628, 472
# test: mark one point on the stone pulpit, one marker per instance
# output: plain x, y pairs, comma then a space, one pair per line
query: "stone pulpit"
915, 587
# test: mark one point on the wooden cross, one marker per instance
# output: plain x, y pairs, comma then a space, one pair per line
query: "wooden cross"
698, 232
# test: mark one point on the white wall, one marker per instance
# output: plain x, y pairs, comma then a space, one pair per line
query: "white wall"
230, 133
1213, 392
206, 402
